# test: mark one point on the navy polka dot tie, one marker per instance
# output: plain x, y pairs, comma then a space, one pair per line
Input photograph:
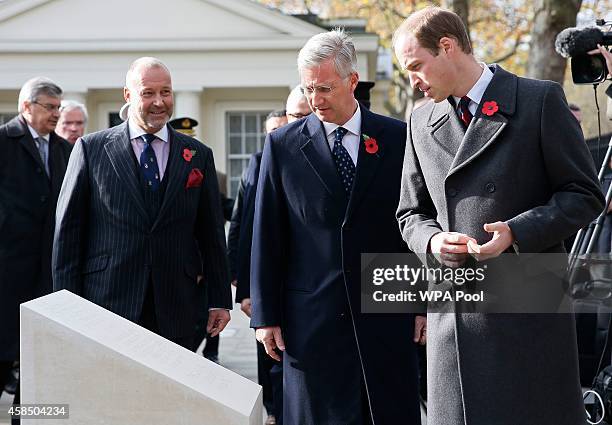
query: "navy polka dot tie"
148, 163
343, 161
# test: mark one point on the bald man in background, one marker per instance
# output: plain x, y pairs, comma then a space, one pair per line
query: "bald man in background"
297, 105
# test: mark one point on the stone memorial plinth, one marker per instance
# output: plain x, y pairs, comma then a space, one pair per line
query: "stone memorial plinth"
111, 371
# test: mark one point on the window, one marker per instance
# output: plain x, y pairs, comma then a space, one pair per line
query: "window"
245, 136
6, 117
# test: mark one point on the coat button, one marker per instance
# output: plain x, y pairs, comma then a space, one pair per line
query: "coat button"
452, 192
43, 199
39, 170
490, 187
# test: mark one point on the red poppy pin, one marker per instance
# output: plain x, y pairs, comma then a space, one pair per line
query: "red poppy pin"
489, 108
188, 154
371, 146
195, 178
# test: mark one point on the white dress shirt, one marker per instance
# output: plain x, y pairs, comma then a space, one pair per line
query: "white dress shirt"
351, 139
477, 91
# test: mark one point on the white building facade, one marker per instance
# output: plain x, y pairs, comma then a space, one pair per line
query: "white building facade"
232, 61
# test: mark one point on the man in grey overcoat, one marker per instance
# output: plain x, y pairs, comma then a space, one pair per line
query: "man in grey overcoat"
494, 163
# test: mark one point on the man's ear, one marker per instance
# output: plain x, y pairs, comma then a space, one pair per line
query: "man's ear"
27, 107
354, 80
447, 44
126, 95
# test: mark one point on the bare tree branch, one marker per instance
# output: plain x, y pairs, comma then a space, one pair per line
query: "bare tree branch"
518, 41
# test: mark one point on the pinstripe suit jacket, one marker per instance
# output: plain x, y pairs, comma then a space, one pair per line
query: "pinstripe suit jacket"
108, 249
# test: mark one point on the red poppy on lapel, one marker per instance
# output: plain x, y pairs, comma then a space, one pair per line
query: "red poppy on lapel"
187, 154
371, 146
195, 178
489, 108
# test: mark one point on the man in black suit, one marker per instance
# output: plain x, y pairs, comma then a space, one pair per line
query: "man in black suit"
32, 165
139, 227
328, 190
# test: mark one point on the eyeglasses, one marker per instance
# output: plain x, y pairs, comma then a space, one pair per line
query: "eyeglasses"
49, 107
322, 90
298, 116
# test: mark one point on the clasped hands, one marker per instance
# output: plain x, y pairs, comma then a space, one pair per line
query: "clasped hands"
453, 248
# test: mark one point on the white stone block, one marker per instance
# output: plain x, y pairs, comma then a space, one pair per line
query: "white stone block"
111, 371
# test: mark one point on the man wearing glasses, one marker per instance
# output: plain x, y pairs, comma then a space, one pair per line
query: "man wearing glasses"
33, 161
325, 196
297, 105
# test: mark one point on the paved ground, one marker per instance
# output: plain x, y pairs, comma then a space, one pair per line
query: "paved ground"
237, 352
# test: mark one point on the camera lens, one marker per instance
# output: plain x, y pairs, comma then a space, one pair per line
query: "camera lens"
588, 69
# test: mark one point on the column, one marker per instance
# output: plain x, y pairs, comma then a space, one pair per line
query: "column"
187, 104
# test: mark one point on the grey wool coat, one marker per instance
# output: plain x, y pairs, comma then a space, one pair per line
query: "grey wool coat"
528, 165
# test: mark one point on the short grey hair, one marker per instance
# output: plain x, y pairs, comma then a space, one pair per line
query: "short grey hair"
145, 62
334, 45
71, 105
34, 88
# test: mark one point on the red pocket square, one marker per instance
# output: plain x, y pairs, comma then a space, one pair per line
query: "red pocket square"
195, 178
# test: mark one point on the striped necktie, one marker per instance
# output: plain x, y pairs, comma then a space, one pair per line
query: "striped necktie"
466, 115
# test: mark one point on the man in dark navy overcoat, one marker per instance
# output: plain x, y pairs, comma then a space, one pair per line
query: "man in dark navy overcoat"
328, 189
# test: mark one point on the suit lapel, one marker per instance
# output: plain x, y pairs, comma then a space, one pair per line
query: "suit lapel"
57, 163
121, 155
176, 173
367, 163
20, 128
315, 148
447, 131
484, 130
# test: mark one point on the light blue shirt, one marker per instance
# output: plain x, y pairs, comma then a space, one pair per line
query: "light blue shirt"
160, 145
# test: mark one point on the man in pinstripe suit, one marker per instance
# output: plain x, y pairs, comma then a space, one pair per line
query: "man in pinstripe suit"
139, 229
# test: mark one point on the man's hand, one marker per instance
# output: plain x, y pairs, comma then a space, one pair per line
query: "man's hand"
450, 247
245, 306
271, 338
607, 56
217, 320
501, 241
420, 329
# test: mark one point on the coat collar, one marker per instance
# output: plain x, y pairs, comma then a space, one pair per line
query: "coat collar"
120, 152
18, 128
367, 163
177, 169
484, 130
315, 148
